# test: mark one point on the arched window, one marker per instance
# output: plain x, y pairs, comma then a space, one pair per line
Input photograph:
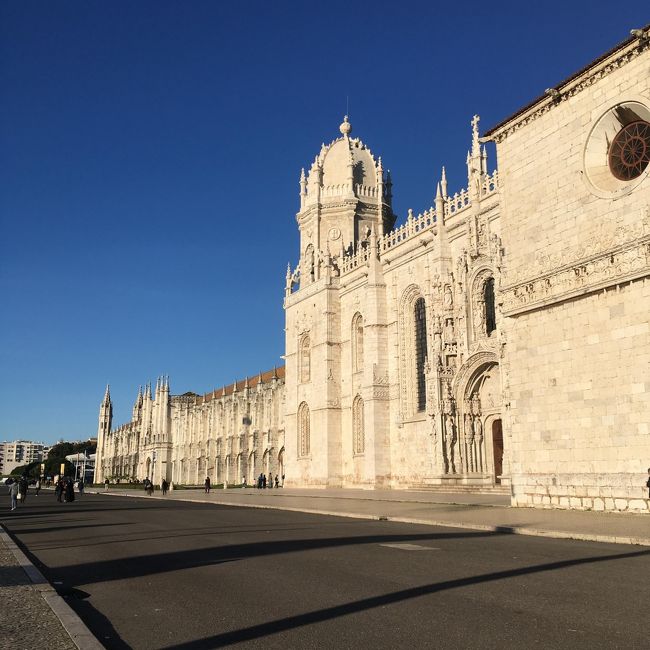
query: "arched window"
490, 311
357, 343
303, 430
420, 351
358, 434
305, 359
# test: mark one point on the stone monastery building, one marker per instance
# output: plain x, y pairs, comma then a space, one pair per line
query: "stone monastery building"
500, 338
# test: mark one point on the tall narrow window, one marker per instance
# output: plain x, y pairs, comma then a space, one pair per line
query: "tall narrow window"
357, 343
420, 351
490, 311
303, 430
305, 359
358, 434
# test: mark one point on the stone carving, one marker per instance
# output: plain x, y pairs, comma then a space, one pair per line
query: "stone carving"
625, 263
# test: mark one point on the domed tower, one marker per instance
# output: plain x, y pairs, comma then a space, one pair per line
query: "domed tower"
345, 207
345, 195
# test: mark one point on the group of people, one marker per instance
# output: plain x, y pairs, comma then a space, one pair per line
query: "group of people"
263, 482
18, 490
149, 486
63, 489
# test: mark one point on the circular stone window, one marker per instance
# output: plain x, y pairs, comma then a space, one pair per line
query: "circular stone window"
617, 154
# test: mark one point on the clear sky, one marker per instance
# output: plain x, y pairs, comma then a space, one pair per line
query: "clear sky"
150, 154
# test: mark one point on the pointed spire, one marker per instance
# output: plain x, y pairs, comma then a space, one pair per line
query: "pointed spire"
246, 385
438, 192
275, 370
259, 379
443, 183
476, 147
107, 395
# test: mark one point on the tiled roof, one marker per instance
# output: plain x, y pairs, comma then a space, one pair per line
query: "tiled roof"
240, 384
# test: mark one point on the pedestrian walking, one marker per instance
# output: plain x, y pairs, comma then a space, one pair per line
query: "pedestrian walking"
164, 487
277, 482
80, 486
13, 494
106, 484
23, 486
69, 491
264, 481
58, 490
37, 486
207, 485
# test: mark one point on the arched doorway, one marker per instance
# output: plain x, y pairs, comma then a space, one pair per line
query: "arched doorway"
478, 452
281, 466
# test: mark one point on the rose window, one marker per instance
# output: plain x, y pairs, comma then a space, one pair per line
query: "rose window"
629, 153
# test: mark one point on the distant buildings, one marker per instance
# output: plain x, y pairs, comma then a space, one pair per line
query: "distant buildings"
20, 452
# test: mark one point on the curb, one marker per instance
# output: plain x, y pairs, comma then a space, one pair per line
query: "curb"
81, 636
510, 530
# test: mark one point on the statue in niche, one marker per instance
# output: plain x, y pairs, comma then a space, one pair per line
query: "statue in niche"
449, 329
451, 441
448, 299
478, 430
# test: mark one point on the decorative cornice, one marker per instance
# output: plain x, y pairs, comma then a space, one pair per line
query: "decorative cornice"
574, 85
627, 262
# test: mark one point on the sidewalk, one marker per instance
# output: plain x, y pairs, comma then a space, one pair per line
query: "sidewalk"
33, 614
475, 512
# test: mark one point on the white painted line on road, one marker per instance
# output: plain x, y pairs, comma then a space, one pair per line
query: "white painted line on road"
411, 547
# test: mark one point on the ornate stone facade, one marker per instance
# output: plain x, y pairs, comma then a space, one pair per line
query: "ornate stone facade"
498, 339
231, 435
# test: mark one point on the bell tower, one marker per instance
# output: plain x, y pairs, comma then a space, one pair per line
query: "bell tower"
104, 428
345, 207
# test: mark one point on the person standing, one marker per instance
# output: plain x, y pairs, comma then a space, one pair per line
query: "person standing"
647, 483
13, 494
69, 490
277, 482
23, 486
58, 490
207, 485
37, 486
80, 487
164, 487
106, 484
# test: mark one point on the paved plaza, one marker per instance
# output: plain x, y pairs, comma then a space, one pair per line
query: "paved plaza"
37, 611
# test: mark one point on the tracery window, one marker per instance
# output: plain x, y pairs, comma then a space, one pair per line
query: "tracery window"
358, 432
357, 343
420, 351
303, 430
629, 152
305, 359
490, 310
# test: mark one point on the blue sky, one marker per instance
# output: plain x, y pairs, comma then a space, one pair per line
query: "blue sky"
150, 156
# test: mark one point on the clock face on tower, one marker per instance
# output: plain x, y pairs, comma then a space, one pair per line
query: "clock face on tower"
334, 233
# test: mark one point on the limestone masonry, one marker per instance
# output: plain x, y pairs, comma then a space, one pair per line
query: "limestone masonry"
498, 340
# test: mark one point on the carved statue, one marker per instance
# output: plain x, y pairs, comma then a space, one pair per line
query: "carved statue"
448, 300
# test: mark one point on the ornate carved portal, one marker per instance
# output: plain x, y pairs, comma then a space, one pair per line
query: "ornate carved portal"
471, 441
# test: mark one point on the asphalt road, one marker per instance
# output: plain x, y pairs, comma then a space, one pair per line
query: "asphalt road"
146, 573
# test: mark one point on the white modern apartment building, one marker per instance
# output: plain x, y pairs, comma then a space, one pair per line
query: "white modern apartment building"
20, 452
